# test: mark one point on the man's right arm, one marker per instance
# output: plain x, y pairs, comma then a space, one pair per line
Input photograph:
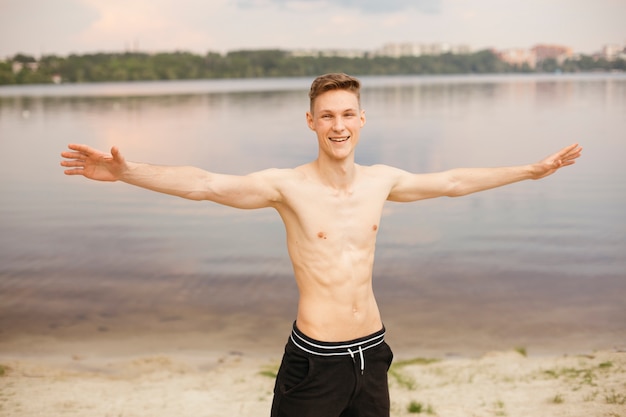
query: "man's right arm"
256, 190
462, 181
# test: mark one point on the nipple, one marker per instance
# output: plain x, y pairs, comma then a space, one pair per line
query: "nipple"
321, 235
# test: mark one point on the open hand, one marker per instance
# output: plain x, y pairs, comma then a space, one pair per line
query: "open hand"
94, 164
565, 157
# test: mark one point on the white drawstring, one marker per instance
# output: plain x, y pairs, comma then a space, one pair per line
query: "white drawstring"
362, 360
361, 356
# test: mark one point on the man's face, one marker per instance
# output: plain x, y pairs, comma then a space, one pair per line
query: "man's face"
337, 120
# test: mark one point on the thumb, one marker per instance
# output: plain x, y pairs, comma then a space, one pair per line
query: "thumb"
115, 152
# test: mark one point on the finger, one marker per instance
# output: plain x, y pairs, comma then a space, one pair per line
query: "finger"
72, 155
568, 154
83, 151
575, 150
75, 171
80, 148
72, 163
574, 154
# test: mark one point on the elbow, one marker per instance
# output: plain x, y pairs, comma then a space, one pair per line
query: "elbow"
194, 196
455, 188
202, 189
458, 192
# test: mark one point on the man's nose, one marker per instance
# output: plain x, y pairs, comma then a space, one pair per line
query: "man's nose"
338, 126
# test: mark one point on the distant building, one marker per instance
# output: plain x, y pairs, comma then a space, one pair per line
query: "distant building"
397, 50
342, 53
461, 49
556, 52
519, 57
19, 66
613, 52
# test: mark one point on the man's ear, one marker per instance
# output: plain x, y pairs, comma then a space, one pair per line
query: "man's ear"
363, 120
309, 120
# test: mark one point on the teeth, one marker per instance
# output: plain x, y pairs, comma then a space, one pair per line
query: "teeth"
339, 139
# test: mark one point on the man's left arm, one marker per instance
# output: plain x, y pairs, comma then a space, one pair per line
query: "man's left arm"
462, 181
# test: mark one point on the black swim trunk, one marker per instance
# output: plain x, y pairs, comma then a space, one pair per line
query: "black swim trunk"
339, 379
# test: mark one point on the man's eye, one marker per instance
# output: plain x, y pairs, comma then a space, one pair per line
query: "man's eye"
326, 116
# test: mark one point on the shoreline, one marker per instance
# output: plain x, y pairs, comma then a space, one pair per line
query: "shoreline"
433, 331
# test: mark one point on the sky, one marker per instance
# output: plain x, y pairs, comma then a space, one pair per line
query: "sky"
62, 27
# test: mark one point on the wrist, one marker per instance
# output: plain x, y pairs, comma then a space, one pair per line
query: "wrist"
534, 171
126, 171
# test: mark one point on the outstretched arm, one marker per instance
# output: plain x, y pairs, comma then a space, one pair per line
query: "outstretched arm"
463, 181
255, 190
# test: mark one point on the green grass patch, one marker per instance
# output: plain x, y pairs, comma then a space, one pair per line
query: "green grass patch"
3, 370
414, 361
270, 371
415, 407
395, 371
522, 351
615, 398
582, 376
558, 399
499, 408
402, 379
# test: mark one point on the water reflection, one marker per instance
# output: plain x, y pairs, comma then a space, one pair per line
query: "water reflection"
70, 245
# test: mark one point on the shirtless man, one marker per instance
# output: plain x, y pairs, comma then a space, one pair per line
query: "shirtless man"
336, 360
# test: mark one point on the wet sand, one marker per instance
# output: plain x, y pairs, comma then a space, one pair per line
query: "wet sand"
435, 318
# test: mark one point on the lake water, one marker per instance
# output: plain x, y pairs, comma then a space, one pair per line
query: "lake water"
540, 264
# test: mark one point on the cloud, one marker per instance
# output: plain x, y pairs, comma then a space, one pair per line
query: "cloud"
149, 25
34, 26
365, 6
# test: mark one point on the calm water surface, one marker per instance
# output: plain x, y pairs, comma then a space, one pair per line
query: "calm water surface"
541, 264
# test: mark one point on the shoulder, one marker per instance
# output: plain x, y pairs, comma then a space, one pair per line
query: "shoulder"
280, 179
276, 174
382, 171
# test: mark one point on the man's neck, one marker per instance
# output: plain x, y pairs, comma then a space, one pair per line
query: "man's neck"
337, 174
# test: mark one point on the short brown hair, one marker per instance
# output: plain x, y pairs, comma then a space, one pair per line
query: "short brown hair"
334, 81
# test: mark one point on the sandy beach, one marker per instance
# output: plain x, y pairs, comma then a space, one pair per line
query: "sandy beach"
82, 358
139, 376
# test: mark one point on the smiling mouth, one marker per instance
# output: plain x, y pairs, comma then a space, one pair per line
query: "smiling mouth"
337, 140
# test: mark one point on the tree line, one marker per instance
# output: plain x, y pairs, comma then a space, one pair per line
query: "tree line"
136, 66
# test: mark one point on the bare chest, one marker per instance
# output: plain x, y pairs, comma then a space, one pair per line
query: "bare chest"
317, 214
